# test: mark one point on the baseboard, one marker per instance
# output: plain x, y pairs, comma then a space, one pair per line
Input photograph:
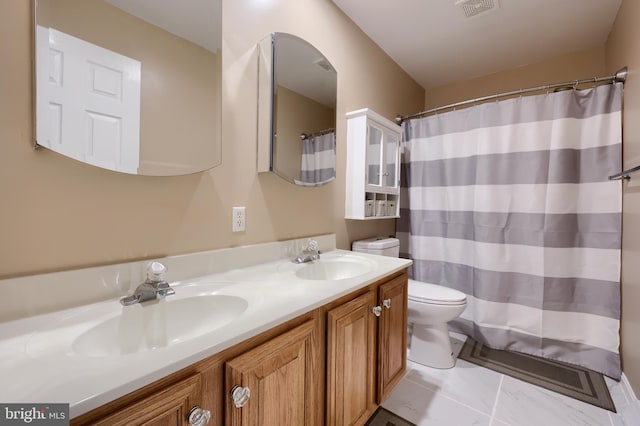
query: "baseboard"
631, 413
628, 390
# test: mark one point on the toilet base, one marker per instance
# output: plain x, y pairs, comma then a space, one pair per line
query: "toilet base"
431, 346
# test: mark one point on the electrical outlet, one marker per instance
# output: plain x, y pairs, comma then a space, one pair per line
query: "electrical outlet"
239, 219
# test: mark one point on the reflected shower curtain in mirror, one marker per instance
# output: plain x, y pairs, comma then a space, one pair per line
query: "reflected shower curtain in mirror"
510, 203
318, 165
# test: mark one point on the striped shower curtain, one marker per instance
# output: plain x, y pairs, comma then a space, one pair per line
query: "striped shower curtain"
318, 165
510, 203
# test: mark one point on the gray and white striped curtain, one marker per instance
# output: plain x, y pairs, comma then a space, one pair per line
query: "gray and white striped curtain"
318, 165
510, 203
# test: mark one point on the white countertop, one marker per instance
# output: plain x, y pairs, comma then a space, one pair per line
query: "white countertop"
38, 364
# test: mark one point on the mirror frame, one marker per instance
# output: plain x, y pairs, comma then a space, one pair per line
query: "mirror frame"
266, 83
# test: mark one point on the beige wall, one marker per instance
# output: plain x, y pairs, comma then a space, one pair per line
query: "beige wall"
179, 85
623, 49
58, 214
580, 65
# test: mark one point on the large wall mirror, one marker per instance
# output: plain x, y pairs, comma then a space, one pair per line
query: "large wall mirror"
296, 111
130, 85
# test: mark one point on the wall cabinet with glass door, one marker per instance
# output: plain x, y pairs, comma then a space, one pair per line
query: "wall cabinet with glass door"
373, 166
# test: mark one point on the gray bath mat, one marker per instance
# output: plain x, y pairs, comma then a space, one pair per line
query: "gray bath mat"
570, 380
383, 417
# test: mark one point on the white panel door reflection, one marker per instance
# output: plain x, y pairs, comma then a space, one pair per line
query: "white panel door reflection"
79, 82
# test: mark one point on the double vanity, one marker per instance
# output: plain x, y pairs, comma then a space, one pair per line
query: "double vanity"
249, 337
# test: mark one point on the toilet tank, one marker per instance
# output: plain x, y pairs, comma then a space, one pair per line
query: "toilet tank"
384, 246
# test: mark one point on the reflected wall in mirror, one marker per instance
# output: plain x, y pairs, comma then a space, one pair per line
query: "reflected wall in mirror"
296, 111
130, 85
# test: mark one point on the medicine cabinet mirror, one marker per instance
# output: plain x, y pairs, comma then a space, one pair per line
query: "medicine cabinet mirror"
130, 86
296, 111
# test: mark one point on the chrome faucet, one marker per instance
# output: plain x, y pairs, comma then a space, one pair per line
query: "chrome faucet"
309, 253
153, 288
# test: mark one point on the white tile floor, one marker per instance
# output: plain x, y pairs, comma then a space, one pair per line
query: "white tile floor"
472, 395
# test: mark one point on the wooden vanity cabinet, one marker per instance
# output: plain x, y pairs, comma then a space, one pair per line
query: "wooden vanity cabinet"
167, 407
392, 335
337, 362
287, 362
282, 377
366, 351
351, 361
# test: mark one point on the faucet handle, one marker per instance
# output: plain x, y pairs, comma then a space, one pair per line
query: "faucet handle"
156, 271
312, 245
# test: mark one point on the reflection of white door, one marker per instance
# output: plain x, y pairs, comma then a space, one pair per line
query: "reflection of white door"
88, 101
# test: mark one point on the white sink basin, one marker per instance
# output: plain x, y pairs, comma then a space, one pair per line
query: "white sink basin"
148, 326
337, 268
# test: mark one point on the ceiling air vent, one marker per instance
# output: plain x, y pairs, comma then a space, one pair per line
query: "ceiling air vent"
324, 64
472, 8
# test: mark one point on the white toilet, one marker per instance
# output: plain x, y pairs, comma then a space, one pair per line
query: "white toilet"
431, 307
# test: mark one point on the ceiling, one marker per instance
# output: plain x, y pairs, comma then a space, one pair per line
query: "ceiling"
436, 44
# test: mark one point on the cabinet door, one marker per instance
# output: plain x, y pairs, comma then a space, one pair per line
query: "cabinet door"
392, 335
383, 147
351, 352
169, 407
279, 375
374, 156
391, 157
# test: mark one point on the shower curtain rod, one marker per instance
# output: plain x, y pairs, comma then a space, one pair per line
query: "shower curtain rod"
619, 77
304, 136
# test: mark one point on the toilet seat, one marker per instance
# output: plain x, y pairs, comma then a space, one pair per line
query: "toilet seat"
434, 294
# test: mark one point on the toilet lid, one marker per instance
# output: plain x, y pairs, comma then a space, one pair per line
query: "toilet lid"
434, 293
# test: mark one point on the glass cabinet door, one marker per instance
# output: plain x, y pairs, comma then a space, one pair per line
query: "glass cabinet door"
390, 173
374, 156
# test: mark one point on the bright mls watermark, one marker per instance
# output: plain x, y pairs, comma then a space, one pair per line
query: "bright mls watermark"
34, 414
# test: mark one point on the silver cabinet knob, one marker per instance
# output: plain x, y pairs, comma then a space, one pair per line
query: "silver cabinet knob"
199, 417
377, 310
386, 303
240, 396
